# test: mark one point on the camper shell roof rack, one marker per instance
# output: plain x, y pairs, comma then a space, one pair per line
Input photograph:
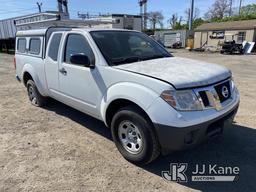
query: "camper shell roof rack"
53, 19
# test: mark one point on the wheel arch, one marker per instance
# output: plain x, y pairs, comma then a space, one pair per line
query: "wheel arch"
124, 94
26, 76
29, 72
117, 104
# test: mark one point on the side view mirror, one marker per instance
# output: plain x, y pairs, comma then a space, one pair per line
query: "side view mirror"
80, 59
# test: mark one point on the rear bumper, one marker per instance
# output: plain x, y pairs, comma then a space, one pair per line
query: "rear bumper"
180, 138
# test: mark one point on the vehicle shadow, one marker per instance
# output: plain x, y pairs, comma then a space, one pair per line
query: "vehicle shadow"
87, 121
235, 148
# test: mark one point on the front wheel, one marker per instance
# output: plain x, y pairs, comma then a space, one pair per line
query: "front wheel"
134, 137
34, 96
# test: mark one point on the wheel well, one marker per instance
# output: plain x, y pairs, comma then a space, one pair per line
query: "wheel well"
26, 77
115, 105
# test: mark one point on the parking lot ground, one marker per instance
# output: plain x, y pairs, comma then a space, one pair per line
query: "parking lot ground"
57, 148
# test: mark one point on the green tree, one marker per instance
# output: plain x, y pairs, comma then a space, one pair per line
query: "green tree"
248, 9
198, 22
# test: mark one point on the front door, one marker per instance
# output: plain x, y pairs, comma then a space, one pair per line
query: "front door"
77, 82
51, 63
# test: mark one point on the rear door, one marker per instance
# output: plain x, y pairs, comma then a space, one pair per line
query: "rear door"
78, 83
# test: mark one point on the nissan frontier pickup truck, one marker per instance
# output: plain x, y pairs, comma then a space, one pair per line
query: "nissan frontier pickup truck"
152, 102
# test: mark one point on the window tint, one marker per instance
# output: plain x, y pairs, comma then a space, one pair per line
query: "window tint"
54, 46
34, 46
77, 44
22, 45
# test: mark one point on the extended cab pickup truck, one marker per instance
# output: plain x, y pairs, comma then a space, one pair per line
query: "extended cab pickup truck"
153, 102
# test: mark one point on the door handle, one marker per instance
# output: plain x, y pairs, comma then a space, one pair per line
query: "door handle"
63, 71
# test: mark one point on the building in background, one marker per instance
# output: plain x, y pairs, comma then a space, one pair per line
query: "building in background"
214, 34
170, 37
122, 21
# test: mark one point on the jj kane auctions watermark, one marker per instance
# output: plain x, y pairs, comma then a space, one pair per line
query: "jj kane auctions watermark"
201, 173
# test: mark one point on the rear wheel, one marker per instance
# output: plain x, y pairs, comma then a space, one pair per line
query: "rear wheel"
34, 96
134, 137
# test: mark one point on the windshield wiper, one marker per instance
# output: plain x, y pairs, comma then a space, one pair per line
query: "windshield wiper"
124, 60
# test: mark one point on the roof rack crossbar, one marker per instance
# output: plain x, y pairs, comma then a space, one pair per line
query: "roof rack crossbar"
45, 20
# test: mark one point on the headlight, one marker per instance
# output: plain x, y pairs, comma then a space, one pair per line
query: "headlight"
182, 100
233, 88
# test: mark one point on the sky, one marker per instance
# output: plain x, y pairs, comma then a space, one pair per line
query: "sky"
13, 8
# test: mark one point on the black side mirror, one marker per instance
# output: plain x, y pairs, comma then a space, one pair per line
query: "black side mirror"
80, 59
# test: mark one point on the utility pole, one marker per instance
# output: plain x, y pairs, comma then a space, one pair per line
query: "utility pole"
39, 5
63, 9
143, 13
231, 6
240, 7
191, 17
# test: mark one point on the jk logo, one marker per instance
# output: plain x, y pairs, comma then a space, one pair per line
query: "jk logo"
176, 173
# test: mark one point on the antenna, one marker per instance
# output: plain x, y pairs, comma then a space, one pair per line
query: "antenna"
39, 5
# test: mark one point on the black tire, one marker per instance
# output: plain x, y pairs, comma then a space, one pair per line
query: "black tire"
34, 96
150, 149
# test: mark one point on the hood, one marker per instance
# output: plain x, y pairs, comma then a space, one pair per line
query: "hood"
180, 72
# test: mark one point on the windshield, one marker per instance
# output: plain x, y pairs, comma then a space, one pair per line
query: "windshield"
121, 47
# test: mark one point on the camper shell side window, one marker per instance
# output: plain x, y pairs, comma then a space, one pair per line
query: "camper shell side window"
21, 45
34, 46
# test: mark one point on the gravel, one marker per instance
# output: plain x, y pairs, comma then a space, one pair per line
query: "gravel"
57, 148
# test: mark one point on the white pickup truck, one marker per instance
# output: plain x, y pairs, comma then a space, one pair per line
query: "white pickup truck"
153, 102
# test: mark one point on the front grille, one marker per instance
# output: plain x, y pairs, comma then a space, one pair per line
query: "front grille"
215, 96
219, 89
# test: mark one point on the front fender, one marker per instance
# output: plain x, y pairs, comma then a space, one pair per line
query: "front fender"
135, 93
30, 69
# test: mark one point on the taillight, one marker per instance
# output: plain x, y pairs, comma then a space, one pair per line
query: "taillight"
14, 62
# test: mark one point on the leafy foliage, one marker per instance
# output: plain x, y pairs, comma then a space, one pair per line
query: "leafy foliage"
219, 9
249, 10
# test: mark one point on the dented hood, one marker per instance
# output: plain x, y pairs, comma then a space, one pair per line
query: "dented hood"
180, 72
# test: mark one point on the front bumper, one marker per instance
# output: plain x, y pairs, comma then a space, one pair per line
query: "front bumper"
177, 138
17, 78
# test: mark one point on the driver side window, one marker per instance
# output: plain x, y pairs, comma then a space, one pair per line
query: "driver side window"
77, 44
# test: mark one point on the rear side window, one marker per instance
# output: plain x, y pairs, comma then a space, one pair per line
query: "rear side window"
34, 46
54, 46
21, 48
